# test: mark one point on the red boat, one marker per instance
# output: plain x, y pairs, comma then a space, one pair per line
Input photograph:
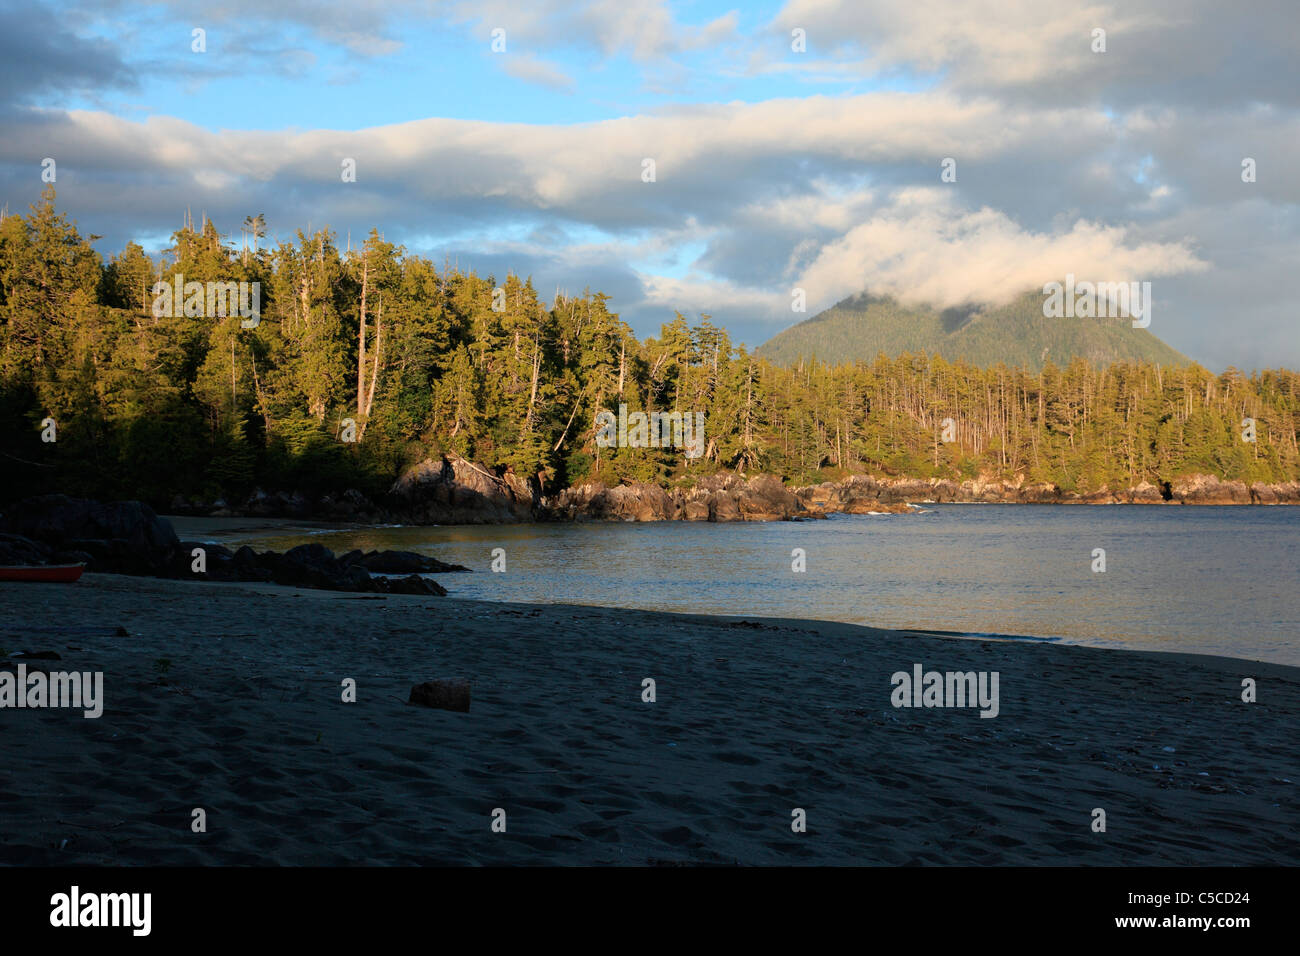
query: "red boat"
62, 573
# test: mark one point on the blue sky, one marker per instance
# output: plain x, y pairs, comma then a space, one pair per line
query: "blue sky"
445, 68
776, 169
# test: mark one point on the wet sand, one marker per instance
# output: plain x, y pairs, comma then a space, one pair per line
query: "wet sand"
228, 697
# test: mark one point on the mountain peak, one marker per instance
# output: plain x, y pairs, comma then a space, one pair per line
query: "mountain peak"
864, 325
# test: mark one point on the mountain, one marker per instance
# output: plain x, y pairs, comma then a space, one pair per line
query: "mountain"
1017, 334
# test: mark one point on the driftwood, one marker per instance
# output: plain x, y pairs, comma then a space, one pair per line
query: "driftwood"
442, 694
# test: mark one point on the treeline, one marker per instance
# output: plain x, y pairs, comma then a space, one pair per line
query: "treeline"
410, 360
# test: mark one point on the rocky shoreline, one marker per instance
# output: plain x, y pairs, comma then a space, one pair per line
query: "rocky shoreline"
128, 537
452, 490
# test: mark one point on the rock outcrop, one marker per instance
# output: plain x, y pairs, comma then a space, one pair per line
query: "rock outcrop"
1208, 490
860, 494
351, 505
452, 490
1286, 493
316, 566
127, 537
712, 498
401, 562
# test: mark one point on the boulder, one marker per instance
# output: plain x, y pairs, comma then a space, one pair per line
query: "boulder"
766, 498
452, 490
71, 557
356, 578
442, 694
401, 562
308, 566
1284, 493
249, 566
128, 538
219, 559
695, 511
632, 501
723, 507
15, 549
352, 505
122, 537
414, 584
1144, 493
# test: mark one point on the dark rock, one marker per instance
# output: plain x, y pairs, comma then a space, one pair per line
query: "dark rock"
352, 505
70, 557
357, 505
116, 556
308, 565
219, 560
259, 504
122, 537
405, 562
356, 578
414, 584
248, 565
128, 538
442, 694
312, 553
17, 550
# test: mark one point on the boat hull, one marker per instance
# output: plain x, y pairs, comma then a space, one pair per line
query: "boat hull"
54, 573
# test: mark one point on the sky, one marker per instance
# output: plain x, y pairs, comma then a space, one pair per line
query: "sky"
797, 145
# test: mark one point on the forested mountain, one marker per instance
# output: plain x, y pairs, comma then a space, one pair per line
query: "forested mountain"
862, 327
420, 361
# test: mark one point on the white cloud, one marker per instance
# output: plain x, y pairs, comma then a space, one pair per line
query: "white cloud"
833, 193
923, 249
1006, 41
530, 69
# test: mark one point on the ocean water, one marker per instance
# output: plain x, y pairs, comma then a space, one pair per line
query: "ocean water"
1191, 579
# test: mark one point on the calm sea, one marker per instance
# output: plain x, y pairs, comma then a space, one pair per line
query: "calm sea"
1201, 580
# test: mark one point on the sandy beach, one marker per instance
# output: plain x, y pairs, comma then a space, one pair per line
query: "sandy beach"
228, 697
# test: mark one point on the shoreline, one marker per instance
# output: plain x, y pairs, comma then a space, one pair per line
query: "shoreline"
260, 521
453, 490
753, 717
188, 525
1131, 628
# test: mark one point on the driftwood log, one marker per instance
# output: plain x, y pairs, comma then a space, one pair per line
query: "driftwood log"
442, 694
